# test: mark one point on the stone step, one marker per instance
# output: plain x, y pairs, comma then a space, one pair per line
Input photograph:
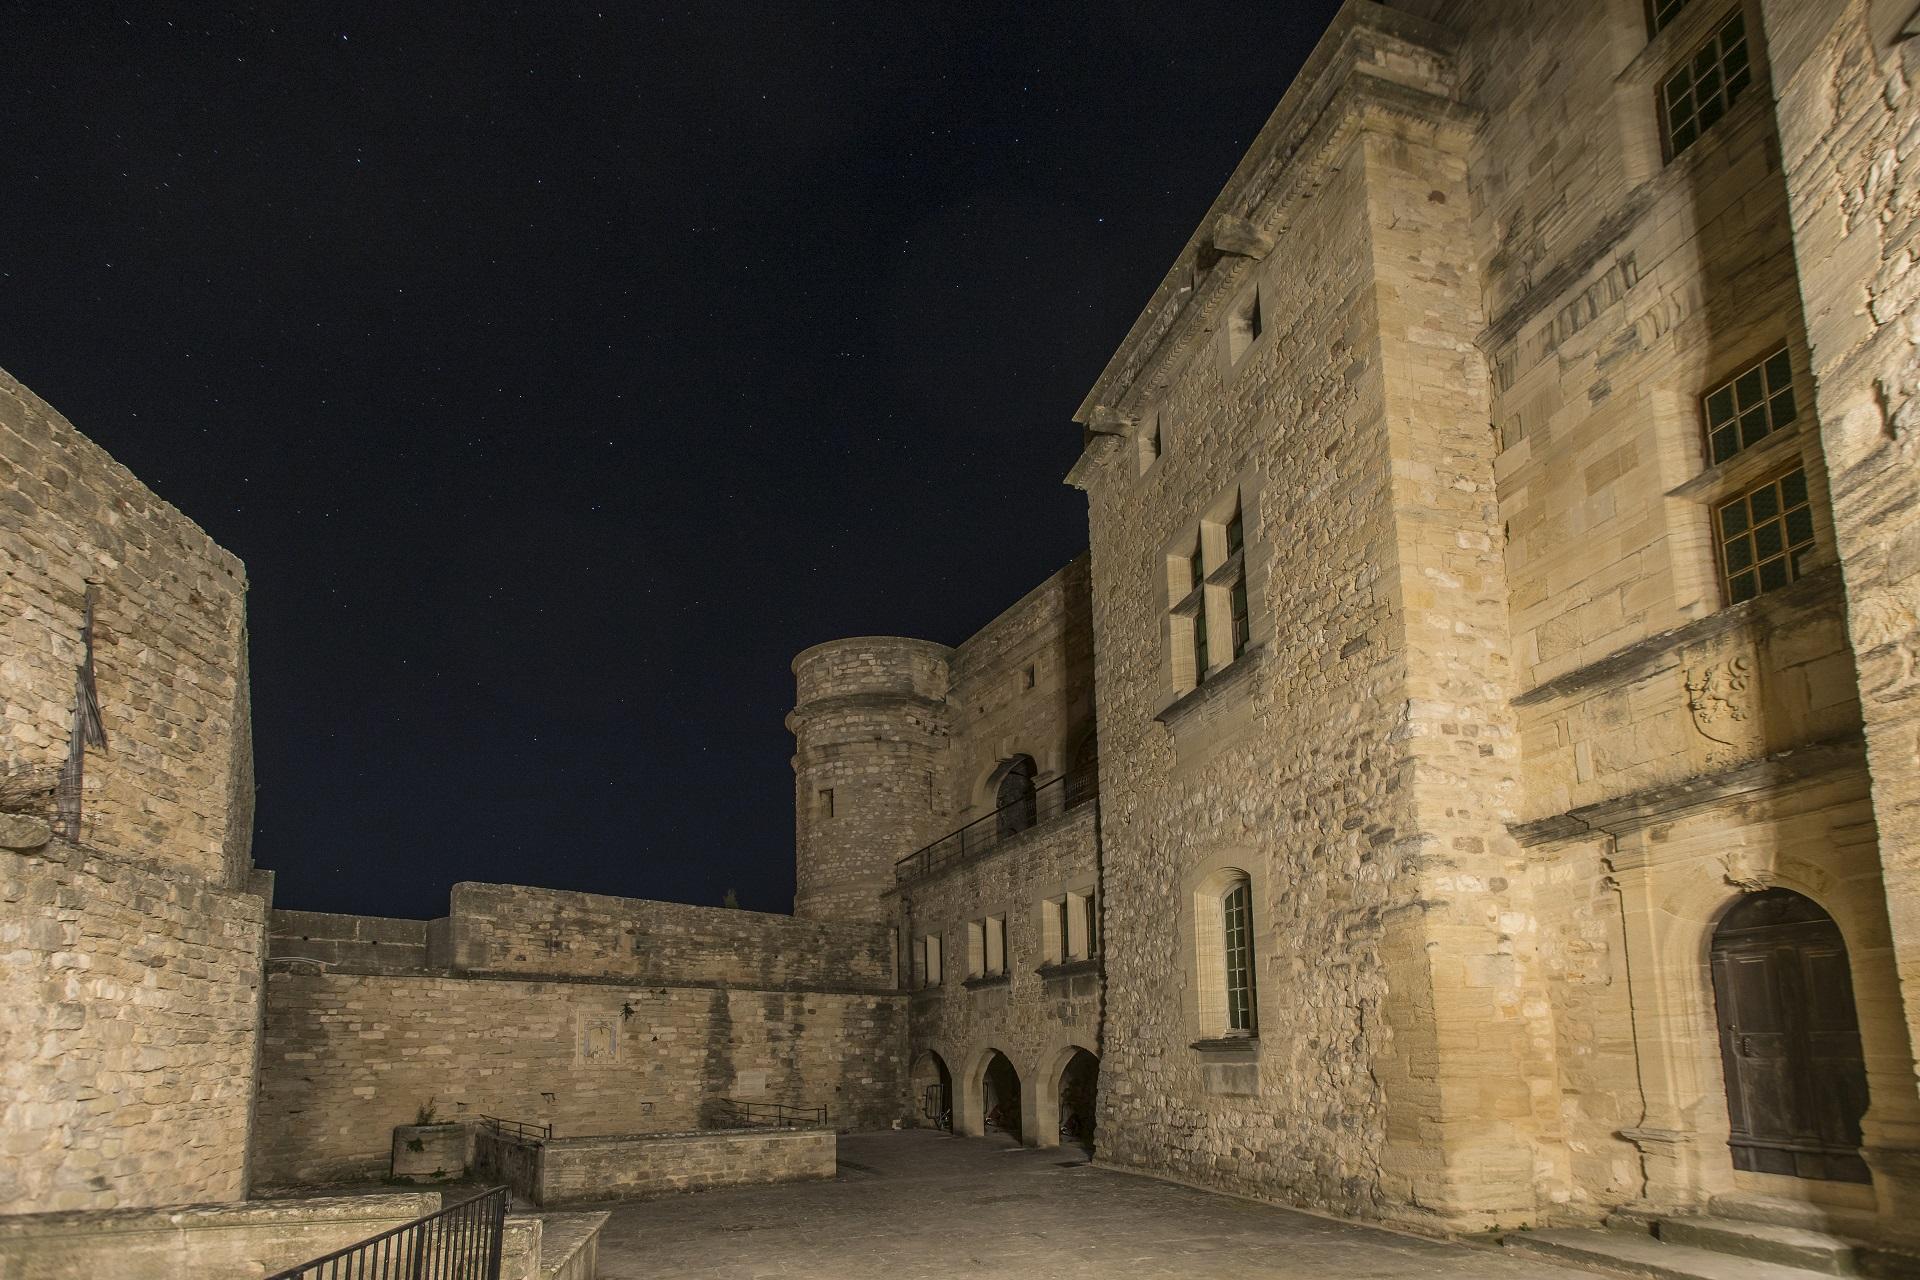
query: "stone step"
1767, 1242
1627, 1253
1779, 1212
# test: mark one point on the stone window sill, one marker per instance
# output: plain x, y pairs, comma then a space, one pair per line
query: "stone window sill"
985, 980
1745, 468
1230, 681
1229, 1047
1069, 968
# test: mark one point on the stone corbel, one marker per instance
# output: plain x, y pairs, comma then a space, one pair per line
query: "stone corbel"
1239, 238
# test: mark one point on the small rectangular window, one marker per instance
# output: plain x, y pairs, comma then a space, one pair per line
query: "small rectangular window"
1750, 406
1200, 658
1149, 445
1765, 536
1236, 533
1702, 89
930, 960
1053, 930
826, 802
1661, 13
1090, 908
1196, 570
996, 944
1076, 926
1243, 329
1031, 677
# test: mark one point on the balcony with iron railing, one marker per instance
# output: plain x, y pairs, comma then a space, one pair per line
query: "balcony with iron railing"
1037, 808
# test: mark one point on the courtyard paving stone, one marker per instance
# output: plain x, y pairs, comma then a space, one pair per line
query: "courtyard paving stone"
922, 1204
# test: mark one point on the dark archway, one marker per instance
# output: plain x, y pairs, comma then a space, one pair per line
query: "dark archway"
1789, 1039
1013, 797
1000, 1090
1079, 1090
933, 1091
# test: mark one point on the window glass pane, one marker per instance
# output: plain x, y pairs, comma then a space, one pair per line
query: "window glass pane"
1779, 370
1748, 387
1733, 517
1234, 534
1800, 527
1773, 575
1739, 554
1237, 924
1720, 405
1726, 443
1793, 488
1744, 587
1764, 503
1769, 540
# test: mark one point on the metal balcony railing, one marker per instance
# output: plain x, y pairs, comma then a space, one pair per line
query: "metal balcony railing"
460, 1242
735, 1113
1043, 804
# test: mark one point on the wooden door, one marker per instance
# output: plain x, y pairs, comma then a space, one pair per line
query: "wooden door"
1789, 1039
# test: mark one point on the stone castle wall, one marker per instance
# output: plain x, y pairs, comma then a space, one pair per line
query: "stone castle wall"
131, 1000
1021, 685
174, 783
521, 930
596, 1014
1039, 1012
346, 1057
870, 725
132, 990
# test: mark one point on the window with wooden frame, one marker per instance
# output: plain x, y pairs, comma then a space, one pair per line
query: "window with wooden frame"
1696, 93
1661, 13
1236, 908
1765, 536
1211, 621
1749, 407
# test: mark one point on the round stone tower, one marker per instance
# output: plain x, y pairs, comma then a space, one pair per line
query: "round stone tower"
870, 731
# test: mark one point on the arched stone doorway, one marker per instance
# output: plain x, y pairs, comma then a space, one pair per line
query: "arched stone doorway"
932, 1092
1000, 1095
1079, 1090
1013, 796
1789, 1039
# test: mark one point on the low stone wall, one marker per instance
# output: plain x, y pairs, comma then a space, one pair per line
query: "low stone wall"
362, 944
563, 1171
346, 1057
197, 1242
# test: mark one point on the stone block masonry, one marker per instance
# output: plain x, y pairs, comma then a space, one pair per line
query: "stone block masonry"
129, 998
175, 782
568, 1171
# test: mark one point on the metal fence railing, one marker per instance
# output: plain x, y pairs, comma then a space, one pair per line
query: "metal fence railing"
461, 1242
1042, 804
736, 1113
521, 1129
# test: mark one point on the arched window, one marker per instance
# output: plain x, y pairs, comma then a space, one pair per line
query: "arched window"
1014, 797
1236, 927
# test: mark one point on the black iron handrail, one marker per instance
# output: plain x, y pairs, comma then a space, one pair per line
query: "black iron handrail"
771, 1115
460, 1242
518, 1129
1044, 803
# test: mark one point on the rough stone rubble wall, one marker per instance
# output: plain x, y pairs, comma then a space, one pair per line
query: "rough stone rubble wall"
175, 782
1033, 1018
130, 999
346, 1057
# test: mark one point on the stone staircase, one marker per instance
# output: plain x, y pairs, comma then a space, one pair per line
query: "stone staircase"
551, 1246
1741, 1238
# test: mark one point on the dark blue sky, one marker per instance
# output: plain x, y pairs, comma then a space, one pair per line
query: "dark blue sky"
560, 370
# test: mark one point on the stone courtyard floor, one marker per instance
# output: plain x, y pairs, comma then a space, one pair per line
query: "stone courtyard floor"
922, 1204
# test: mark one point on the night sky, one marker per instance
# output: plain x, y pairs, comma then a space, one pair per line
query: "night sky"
560, 371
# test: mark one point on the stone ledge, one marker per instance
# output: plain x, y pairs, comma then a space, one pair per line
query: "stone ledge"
1665, 803
1068, 968
1222, 684
987, 981
1819, 588
1230, 1048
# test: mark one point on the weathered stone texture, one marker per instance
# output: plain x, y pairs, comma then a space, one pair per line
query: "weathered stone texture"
1039, 1013
520, 930
346, 1057
206, 1242
130, 996
568, 1171
870, 724
174, 783
1849, 118
361, 944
